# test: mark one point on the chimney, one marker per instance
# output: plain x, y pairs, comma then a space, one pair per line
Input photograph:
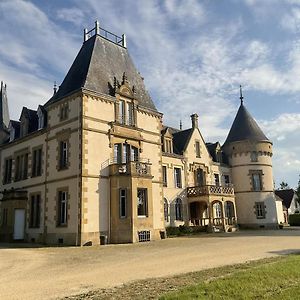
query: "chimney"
194, 118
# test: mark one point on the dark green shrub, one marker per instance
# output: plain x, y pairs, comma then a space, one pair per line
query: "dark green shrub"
172, 231
294, 220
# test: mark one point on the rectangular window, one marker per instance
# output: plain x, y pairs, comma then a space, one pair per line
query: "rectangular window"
142, 205
37, 163
64, 112
8, 171
254, 156
122, 112
260, 210
217, 179
197, 145
63, 154
256, 182
35, 211
177, 177
129, 114
165, 180
62, 219
122, 203
21, 167
227, 180
4, 217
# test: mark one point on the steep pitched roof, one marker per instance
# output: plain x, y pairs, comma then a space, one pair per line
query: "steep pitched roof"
16, 126
181, 140
286, 196
244, 127
94, 68
32, 117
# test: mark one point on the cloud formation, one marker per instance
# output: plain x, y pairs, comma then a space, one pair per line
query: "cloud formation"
193, 57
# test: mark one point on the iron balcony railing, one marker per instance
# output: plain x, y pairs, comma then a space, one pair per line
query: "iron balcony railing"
141, 167
204, 190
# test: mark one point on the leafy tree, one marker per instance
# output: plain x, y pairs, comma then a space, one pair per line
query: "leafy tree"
298, 191
284, 185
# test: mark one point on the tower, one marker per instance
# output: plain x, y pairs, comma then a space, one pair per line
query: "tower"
4, 114
250, 156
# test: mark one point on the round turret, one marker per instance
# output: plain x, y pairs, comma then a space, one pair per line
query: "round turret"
249, 154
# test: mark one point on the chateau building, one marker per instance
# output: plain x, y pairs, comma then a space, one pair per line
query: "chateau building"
96, 164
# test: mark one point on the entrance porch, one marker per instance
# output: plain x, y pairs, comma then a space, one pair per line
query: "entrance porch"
212, 207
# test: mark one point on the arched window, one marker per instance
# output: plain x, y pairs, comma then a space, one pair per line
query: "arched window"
166, 210
217, 210
178, 209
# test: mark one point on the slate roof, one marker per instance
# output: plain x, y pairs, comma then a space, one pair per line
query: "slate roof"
94, 68
32, 117
16, 126
181, 139
244, 127
286, 196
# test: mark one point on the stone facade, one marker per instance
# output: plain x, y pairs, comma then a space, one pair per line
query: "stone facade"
107, 170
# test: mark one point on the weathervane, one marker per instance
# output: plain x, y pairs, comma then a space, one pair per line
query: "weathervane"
241, 95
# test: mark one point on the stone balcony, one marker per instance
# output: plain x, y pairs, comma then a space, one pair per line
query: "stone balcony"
206, 190
139, 168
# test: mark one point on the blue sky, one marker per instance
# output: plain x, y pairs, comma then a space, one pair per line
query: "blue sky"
192, 54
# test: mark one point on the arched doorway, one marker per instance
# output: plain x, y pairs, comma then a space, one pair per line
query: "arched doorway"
199, 213
229, 213
217, 213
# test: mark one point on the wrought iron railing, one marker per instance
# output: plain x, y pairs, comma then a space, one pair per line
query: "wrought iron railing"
106, 34
209, 190
141, 167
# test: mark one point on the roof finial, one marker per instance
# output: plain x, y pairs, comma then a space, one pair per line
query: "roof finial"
54, 88
180, 125
241, 95
124, 79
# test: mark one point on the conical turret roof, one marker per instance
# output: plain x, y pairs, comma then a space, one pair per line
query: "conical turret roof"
98, 62
244, 127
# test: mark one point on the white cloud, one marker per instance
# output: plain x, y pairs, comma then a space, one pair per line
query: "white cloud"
72, 15
284, 131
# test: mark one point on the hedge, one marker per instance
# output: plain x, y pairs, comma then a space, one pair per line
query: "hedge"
294, 220
185, 230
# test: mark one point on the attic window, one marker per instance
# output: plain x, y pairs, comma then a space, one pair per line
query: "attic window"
12, 132
168, 145
64, 112
24, 127
41, 119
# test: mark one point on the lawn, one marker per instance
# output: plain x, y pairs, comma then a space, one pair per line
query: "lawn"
278, 279
271, 278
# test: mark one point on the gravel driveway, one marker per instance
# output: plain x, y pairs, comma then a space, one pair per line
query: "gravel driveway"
49, 273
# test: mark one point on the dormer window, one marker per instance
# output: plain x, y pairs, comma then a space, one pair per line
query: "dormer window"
11, 134
168, 145
23, 127
126, 116
41, 119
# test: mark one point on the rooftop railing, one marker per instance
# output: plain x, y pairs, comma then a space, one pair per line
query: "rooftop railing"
119, 40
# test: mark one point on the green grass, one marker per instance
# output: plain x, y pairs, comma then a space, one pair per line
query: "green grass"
279, 279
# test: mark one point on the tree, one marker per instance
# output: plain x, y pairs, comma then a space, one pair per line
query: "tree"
298, 191
284, 186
